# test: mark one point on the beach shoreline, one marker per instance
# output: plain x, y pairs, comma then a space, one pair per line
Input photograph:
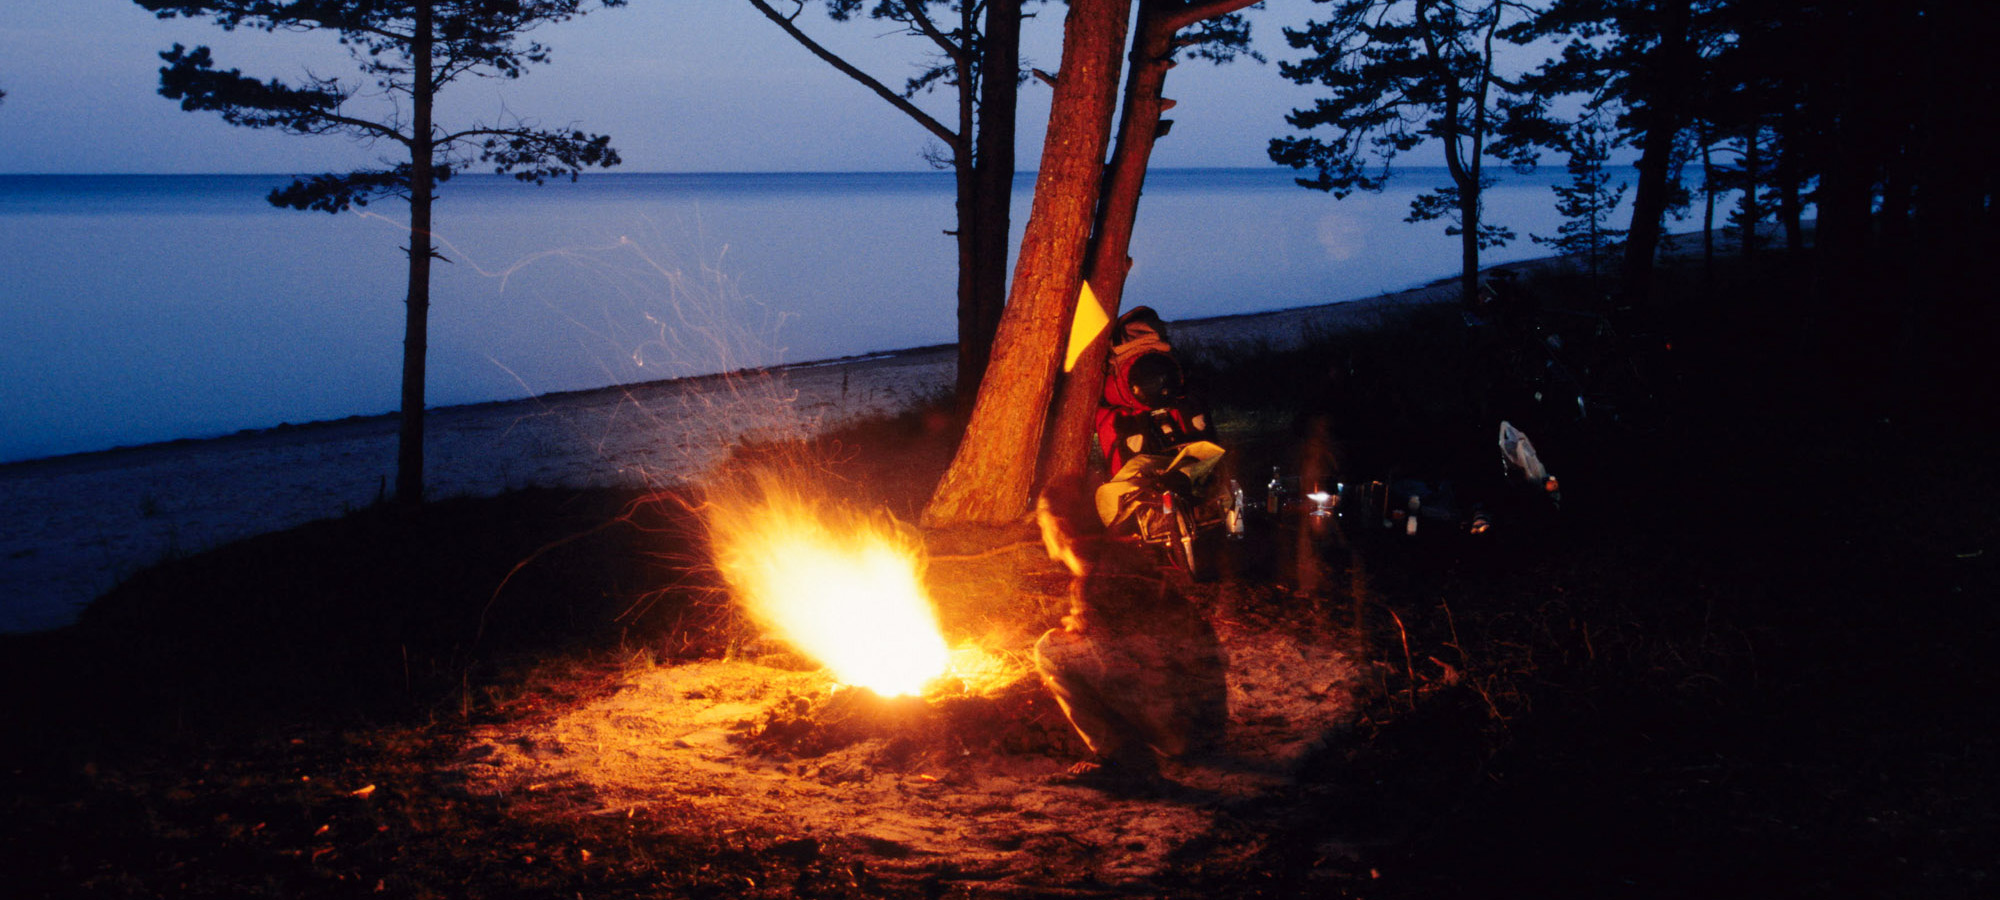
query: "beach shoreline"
90, 520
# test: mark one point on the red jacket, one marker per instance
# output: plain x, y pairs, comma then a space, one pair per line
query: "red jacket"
1127, 424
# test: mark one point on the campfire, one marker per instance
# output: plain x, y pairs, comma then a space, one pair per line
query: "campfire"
838, 584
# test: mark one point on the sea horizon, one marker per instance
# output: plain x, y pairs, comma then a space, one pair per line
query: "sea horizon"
157, 307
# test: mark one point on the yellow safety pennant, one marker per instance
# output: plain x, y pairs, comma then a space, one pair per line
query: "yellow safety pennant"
1090, 321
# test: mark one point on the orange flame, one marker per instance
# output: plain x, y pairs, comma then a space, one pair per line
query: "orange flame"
844, 587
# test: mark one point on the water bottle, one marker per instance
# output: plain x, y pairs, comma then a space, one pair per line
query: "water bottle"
1235, 508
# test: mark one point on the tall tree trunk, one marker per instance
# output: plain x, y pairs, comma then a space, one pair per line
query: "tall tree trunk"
982, 166
973, 345
1109, 261
1649, 207
417, 303
1790, 178
1468, 240
988, 216
993, 472
1663, 120
1465, 177
1753, 211
1848, 170
1846, 191
1139, 126
1707, 211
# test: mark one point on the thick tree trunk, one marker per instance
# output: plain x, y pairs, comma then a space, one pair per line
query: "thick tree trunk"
1663, 124
1466, 179
993, 472
973, 347
1791, 202
417, 304
1110, 258
1649, 207
986, 214
1845, 193
983, 165
1468, 240
1753, 211
1139, 126
1707, 212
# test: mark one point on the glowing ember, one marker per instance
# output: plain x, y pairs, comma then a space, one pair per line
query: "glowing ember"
841, 586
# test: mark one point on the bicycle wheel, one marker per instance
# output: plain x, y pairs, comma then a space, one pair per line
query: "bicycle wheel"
1184, 542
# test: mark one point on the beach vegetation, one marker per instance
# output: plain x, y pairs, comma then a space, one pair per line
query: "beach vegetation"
405, 54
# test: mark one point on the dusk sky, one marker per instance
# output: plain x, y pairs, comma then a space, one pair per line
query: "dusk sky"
680, 85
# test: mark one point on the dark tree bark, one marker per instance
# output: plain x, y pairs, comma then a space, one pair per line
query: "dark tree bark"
1791, 179
993, 472
417, 305
1465, 175
983, 259
1667, 82
1752, 212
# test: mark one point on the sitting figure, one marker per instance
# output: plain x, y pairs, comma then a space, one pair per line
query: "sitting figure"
1149, 427
1136, 669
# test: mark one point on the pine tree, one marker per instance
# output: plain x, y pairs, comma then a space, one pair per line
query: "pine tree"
1400, 74
406, 52
1588, 201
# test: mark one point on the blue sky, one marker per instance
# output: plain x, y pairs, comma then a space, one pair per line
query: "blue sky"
681, 85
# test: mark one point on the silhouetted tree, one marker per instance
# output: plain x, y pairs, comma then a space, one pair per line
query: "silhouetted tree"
1748, 178
1589, 200
1878, 115
1647, 57
977, 46
1888, 111
1401, 73
405, 51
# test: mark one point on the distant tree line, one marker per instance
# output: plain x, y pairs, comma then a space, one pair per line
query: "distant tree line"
1874, 115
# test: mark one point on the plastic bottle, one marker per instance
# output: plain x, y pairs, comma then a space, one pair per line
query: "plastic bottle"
1236, 508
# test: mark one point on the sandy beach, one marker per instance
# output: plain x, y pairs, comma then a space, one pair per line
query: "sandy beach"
77, 525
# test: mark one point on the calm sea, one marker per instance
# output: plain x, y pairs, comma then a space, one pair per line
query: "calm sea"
147, 308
